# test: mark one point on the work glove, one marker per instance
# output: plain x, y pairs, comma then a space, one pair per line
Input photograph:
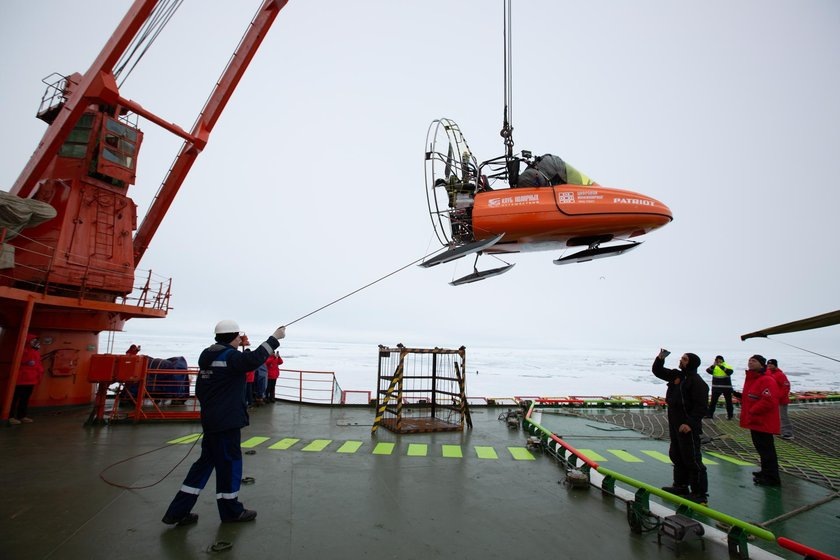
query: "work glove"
280, 333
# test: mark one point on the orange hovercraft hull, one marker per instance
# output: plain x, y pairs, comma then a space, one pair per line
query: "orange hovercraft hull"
539, 218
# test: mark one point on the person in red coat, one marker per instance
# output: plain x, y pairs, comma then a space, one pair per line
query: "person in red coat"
784, 397
273, 364
29, 375
760, 415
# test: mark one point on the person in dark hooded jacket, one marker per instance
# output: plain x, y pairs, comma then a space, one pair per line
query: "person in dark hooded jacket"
687, 398
220, 388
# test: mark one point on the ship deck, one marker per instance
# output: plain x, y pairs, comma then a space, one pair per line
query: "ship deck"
324, 487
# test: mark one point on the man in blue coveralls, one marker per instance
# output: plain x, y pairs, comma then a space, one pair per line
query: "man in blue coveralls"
220, 389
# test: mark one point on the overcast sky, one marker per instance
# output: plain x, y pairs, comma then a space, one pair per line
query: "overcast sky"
312, 184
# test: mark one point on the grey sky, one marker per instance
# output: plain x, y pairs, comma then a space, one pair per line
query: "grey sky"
312, 182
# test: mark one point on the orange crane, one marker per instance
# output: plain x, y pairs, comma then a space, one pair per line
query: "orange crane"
73, 276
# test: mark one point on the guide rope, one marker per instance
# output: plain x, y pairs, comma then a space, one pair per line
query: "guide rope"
368, 285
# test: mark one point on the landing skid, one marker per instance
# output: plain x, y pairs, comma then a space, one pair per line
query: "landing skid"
480, 275
598, 253
462, 251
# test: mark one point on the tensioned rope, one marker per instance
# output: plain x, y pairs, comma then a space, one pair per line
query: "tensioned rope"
424, 257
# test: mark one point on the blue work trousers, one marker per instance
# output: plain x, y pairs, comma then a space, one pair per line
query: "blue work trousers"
220, 451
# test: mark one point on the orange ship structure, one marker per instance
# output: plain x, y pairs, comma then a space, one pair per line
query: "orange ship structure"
70, 272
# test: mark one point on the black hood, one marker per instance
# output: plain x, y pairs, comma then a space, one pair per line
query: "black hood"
694, 362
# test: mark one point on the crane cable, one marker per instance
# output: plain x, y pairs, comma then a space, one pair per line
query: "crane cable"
804, 349
140, 44
507, 122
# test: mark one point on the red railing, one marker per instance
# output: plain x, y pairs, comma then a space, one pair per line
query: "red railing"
149, 291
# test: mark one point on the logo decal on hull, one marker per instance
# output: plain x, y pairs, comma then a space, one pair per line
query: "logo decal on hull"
519, 200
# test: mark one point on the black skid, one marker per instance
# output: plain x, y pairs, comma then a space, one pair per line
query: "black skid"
480, 275
461, 251
597, 253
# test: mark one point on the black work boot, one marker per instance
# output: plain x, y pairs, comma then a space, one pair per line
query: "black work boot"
677, 489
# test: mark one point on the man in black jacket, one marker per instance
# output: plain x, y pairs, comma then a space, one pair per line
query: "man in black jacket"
220, 389
687, 398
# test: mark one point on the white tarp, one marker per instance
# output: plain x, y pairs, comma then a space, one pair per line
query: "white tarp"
17, 214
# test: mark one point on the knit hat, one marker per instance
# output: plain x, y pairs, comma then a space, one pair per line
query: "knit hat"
226, 338
773, 362
760, 359
694, 361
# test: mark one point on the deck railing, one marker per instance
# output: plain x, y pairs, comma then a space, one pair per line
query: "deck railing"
169, 394
315, 387
149, 291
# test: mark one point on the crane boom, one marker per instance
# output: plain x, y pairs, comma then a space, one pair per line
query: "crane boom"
204, 124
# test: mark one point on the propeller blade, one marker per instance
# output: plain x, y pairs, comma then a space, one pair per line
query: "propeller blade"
450, 156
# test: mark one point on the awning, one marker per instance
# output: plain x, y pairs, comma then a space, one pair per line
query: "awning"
816, 322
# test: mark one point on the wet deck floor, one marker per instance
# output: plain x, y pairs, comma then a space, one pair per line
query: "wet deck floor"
324, 488
730, 460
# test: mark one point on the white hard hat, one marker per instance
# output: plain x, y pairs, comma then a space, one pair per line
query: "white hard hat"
227, 326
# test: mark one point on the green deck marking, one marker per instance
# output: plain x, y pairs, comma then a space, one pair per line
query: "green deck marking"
732, 460
624, 456
186, 439
452, 451
665, 459
417, 450
657, 455
521, 454
349, 447
589, 454
317, 445
284, 443
383, 448
253, 442
484, 452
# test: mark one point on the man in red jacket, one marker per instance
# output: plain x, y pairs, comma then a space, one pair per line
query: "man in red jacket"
784, 397
273, 364
760, 415
29, 375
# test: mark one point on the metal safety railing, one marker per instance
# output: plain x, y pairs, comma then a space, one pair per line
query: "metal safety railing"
148, 291
159, 394
314, 387
169, 394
